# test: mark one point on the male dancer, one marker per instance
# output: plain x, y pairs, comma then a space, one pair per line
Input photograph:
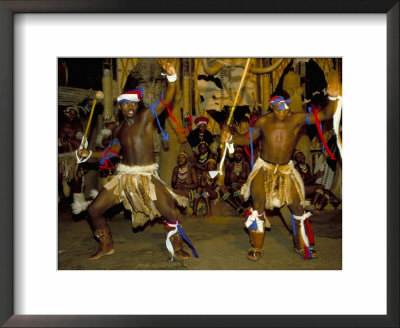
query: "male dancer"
136, 182
274, 181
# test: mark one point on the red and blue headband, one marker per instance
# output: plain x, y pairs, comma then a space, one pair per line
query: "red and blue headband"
135, 95
281, 101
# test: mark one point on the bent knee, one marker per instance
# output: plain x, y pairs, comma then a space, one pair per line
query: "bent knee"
94, 211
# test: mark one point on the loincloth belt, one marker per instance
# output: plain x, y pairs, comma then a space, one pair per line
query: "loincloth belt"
66, 165
137, 192
281, 182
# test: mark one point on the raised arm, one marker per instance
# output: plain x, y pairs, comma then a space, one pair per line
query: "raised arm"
170, 93
333, 90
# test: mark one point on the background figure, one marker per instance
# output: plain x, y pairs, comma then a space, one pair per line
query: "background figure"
184, 177
318, 194
201, 158
200, 133
207, 189
236, 174
69, 140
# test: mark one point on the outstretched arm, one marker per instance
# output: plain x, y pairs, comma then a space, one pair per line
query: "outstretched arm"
115, 147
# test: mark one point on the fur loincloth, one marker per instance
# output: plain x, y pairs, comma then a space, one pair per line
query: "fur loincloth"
280, 182
66, 165
135, 189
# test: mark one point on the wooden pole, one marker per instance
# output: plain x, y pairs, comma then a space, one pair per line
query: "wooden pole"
224, 146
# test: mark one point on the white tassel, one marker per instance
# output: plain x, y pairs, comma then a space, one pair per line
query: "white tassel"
336, 122
79, 204
168, 241
302, 228
93, 193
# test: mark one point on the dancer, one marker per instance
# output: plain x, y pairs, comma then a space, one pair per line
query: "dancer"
136, 182
273, 181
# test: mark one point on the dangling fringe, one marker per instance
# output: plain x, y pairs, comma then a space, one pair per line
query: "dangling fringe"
79, 204
178, 228
310, 233
304, 241
168, 243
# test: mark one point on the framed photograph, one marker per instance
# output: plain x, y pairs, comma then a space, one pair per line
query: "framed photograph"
39, 291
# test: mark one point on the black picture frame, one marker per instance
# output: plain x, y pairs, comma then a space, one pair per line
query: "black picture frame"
7, 199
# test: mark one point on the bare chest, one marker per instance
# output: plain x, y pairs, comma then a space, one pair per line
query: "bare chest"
135, 135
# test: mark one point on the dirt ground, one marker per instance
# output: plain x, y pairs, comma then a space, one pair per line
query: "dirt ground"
221, 242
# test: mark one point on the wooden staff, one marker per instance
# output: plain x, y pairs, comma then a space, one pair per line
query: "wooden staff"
221, 164
99, 96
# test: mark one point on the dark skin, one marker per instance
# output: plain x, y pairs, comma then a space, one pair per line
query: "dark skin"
190, 182
207, 184
203, 149
233, 182
310, 186
278, 132
308, 178
69, 143
135, 135
68, 131
230, 176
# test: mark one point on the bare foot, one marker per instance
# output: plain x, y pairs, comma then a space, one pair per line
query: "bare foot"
100, 254
208, 214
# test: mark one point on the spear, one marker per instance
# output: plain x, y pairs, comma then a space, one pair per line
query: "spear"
99, 96
225, 146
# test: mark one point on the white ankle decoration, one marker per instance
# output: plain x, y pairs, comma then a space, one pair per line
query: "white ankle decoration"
170, 234
302, 229
254, 217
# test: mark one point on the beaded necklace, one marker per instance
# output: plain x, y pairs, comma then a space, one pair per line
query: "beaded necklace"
303, 168
203, 158
238, 167
182, 173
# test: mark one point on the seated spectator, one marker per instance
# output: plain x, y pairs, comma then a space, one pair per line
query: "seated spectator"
202, 157
184, 177
236, 174
207, 189
318, 194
